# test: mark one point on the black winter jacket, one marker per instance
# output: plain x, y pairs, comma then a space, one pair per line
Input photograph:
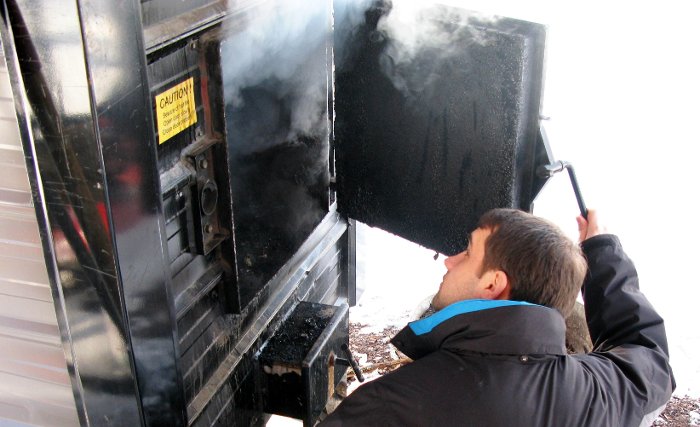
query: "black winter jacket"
503, 363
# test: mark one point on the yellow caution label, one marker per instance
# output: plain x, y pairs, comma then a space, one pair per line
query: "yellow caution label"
175, 110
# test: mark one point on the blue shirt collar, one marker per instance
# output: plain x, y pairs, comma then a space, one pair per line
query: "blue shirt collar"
424, 326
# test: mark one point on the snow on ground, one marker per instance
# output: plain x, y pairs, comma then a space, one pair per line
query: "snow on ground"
695, 418
398, 278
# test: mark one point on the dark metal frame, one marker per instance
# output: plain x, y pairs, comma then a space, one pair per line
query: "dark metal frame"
86, 119
83, 132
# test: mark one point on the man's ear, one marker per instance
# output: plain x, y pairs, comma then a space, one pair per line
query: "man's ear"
496, 286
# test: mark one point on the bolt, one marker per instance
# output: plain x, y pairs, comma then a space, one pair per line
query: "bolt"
203, 163
208, 228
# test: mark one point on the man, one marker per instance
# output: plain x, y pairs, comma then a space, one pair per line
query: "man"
494, 354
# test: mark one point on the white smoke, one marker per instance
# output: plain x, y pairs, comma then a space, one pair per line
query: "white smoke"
275, 71
416, 30
414, 27
279, 46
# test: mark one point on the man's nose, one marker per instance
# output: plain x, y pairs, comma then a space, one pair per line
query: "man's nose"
450, 261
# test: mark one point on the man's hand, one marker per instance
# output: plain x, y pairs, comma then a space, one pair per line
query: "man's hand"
589, 228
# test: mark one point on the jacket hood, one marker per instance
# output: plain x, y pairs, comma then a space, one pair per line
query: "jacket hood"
486, 326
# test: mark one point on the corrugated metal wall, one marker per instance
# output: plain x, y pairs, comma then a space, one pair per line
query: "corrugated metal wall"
35, 388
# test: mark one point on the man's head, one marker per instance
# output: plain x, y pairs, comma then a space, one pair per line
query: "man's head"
515, 255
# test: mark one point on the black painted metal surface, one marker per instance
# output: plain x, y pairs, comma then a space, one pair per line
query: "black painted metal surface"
77, 240
166, 22
294, 339
425, 146
178, 260
298, 363
89, 130
275, 72
315, 273
125, 128
139, 235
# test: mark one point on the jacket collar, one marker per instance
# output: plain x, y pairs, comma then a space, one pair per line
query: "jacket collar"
484, 326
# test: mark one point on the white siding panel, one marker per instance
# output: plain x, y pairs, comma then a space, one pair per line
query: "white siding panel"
14, 177
9, 131
7, 106
24, 403
27, 309
28, 271
20, 251
18, 230
37, 291
32, 359
35, 387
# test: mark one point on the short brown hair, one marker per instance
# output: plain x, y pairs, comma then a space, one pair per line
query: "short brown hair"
543, 265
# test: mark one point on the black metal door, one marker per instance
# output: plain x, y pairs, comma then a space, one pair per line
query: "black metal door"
434, 130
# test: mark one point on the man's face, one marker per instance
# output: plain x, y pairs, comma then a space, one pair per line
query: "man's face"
464, 278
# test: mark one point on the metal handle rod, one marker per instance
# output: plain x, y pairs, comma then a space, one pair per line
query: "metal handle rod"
353, 364
546, 171
577, 191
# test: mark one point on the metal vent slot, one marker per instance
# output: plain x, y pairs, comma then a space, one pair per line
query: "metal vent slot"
204, 356
186, 299
195, 321
218, 408
177, 209
204, 334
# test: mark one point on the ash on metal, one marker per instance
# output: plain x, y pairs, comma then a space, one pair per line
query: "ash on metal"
293, 341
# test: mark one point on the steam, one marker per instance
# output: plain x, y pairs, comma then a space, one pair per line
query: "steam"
420, 36
275, 73
417, 30
415, 27
281, 50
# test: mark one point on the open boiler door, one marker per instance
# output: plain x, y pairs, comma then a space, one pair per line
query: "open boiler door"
437, 120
